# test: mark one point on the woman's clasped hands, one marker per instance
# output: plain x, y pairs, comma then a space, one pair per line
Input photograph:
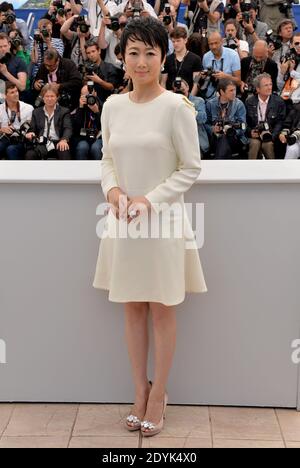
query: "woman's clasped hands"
127, 208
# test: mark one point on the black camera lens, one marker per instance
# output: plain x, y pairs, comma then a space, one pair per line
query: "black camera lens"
91, 100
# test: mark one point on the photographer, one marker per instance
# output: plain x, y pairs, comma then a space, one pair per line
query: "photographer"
60, 11
226, 121
205, 15
109, 36
282, 41
289, 72
77, 39
64, 76
95, 9
255, 65
219, 63
168, 16
273, 11
9, 22
42, 41
253, 29
136, 7
12, 68
181, 63
290, 134
159, 5
232, 39
50, 128
104, 75
87, 124
265, 116
181, 86
13, 114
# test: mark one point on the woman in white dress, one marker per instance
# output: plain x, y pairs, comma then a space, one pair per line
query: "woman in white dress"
150, 158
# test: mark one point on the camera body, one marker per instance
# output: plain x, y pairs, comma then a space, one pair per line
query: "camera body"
65, 98
177, 85
81, 24
290, 55
230, 42
167, 20
90, 68
18, 136
229, 128
114, 24
286, 6
264, 131
272, 38
45, 33
16, 42
245, 9
10, 18
206, 80
90, 134
291, 137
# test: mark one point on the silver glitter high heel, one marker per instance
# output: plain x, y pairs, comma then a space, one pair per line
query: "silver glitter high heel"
148, 428
134, 421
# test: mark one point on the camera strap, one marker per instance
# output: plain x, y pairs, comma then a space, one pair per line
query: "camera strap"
13, 114
181, 63
214, 63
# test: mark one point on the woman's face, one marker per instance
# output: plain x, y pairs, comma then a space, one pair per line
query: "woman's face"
143, 62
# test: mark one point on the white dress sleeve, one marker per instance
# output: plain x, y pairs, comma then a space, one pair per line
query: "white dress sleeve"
108, 175
186, 144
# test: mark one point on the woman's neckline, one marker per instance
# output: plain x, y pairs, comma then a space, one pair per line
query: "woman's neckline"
146, 102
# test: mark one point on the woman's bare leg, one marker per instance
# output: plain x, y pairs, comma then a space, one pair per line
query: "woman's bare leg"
136, 330
164, 332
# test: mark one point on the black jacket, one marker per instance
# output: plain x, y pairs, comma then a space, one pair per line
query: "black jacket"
275, 114
68, 77
81, 117
62, 122
270, 68
292, 121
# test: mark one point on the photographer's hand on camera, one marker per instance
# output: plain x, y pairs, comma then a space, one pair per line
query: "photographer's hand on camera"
254, 134
282, 138
6, 130
30, 136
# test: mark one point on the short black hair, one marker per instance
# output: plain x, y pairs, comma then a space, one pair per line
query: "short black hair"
148, 30
5, 6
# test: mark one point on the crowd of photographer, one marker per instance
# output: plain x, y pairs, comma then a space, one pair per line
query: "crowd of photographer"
237, 61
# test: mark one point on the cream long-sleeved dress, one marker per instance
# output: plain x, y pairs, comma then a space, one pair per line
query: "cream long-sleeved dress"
150, 149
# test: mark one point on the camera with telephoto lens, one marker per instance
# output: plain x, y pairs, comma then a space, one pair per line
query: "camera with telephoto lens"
291, 138
287, 5
273, 39
17, 136
10, 18
230, 42
59, 4
37, 36
91, 100
229, 128
167, 20
263, 130
82, 24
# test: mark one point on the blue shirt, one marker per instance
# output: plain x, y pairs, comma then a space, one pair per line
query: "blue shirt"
228, 63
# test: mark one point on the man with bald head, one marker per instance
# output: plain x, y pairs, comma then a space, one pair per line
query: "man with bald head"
255, 65
224, 62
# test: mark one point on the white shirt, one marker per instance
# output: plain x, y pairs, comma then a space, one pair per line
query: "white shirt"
25, 115
112, 41
95, 14
52, 134
262, 109
244, 46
